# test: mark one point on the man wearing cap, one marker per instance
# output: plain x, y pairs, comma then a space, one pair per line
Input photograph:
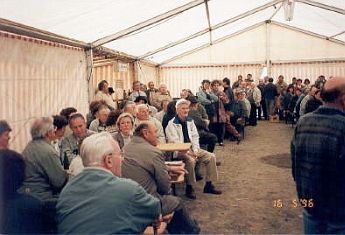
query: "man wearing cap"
181, 129
5, 130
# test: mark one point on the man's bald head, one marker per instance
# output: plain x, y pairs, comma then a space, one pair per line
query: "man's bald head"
333, 89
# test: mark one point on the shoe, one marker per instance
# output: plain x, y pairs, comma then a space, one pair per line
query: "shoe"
209, 188
198, 177
221, 144
190, 193
238, 140
218, 163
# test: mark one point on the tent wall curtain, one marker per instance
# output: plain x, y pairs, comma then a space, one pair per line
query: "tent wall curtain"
117, 73
310, 70
38, 78
147, 73
190, 77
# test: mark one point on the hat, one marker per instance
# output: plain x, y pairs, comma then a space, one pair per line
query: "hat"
192, 99
4, 126
182, 101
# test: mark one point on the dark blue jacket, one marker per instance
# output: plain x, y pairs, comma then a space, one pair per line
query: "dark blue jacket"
318, 162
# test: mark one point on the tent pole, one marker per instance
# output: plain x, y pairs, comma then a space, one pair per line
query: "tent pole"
89, 72
215, 42
308, 32
335, 35
322, 6
208, 20
147, 23
221, 24
268, 47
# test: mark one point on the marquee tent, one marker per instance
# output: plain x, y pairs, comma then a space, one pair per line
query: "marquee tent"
54, 52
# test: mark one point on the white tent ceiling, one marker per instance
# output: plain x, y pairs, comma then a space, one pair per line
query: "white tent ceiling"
89, 21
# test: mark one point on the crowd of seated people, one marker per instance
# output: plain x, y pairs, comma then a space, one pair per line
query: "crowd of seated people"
87, 152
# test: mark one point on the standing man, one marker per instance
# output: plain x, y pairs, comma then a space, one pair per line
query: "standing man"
318, 162
181, 129
270, 95
262, 108
98, 200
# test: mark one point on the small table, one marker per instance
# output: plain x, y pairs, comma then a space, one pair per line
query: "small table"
172, 147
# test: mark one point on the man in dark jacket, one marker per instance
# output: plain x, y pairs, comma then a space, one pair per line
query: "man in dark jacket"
270, 94
318, 162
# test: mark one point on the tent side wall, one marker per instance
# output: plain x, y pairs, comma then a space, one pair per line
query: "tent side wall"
180, 77
119, 75
38, 78
147, 73
244, 53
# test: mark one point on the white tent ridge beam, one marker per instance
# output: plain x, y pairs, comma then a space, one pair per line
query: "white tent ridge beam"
229, 21
215, 42
308, 32
17, 28
208, 20
147, 23
276, 11
323, 6
335, 35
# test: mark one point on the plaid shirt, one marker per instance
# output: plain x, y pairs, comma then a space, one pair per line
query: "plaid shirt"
318, 161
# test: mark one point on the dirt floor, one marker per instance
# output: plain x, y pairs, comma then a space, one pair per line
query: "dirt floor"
253, 176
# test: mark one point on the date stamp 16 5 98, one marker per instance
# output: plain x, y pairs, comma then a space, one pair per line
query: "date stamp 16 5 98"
293, 203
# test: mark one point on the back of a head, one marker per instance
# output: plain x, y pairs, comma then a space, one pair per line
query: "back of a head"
270, 80
95, 147
12, 171
41, 127
171, 109
226, 81
4, 126
333, 90
59, 121
66, 112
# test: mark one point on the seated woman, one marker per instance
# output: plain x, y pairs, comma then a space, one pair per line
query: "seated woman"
125, 124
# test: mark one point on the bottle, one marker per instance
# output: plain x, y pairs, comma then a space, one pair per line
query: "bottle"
65, 162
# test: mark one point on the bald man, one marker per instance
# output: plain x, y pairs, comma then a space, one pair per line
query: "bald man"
318, 162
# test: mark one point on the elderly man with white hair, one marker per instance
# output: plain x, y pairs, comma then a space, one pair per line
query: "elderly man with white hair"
45, 176
98, 200
142, 114
162, 94
181, 129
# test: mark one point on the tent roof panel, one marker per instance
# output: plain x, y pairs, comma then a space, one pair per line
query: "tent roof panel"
314, 19
85, 20
335, 3
243, 23
169, 31
179, 49
221, 10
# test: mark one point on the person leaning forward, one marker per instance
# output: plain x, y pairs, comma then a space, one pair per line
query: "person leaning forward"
98, 201
144, 163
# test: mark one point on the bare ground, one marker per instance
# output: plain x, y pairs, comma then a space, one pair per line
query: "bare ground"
252, 176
